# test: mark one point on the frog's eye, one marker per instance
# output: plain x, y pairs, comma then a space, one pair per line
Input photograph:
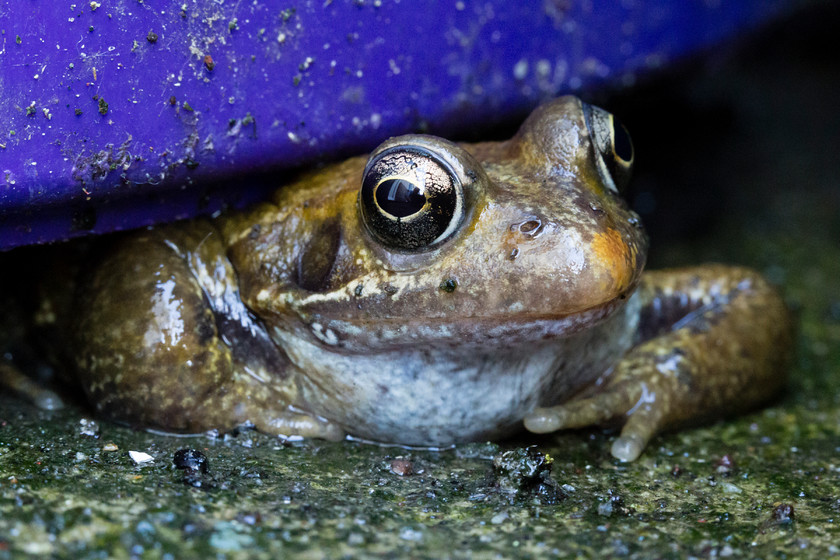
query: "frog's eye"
411, 200
613, 147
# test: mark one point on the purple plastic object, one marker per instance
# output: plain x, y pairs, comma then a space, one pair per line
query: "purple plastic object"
120, 114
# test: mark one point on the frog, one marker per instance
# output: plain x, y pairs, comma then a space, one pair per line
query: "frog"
427, 294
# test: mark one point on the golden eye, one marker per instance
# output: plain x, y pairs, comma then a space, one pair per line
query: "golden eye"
613, 146
410, 199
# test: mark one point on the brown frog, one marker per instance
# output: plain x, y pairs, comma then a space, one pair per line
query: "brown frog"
429, 294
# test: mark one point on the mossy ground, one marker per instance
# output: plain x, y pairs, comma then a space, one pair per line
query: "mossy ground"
749, 139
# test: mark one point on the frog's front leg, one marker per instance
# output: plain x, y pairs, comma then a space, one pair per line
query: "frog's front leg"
163, 341
712, 340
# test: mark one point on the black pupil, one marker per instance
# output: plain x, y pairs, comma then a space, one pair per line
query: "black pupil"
399, 197
622, 145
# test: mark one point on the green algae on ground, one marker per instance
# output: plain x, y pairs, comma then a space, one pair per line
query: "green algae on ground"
64, 494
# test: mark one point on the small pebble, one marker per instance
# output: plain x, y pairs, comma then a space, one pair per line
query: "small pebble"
783, 513
88, 427
725, 466
140, 457
402, 466
190, 459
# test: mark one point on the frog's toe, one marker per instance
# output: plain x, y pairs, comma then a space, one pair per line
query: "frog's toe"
48, 400
43, 398
579, 413
627, 448
642, 424
299, 424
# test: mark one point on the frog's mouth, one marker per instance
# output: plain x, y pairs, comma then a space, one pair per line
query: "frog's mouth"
377, 334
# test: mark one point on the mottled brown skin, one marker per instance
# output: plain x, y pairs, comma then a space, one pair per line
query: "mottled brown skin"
298, 318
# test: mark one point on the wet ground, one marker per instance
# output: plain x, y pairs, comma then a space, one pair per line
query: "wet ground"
737, 164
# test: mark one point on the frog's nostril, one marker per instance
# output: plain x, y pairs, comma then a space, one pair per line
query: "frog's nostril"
530, 228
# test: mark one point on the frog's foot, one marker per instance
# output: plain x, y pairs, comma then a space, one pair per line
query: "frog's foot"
645, 405
43, 398
715, 340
